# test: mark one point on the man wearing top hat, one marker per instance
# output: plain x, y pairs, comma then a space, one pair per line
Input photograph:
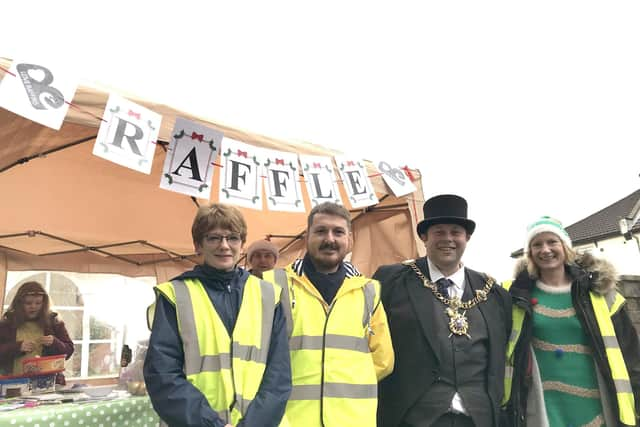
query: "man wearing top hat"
449, 326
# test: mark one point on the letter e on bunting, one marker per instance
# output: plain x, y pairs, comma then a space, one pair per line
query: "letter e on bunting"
282, 184
189, 165
320, 179
128, 134
37, 92
396, 178
356, 181
240, 180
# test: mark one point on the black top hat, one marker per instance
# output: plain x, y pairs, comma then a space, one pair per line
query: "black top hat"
445, 209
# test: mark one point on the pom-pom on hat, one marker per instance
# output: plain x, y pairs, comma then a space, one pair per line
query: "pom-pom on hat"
262, 245
546, 224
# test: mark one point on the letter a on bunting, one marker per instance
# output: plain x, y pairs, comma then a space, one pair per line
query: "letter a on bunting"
190, 162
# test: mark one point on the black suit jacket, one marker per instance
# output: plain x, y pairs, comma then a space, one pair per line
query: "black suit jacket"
409, 305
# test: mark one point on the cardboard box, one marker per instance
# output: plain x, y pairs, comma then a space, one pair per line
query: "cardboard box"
43, 383
23, 383
43, 365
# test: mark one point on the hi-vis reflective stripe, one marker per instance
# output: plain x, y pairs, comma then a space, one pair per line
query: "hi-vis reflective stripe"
603, 309
280, 276
517, 314
241, 404
338, 390
194, 362
516, 327
369, 300
340, 342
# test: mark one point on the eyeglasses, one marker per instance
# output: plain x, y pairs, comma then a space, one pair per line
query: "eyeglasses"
216, 239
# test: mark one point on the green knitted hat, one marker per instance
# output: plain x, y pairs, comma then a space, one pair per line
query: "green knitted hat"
546, 224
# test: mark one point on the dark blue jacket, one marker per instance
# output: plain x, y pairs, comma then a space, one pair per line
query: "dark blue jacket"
175, 399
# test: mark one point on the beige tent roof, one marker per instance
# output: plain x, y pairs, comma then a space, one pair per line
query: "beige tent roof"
66, 209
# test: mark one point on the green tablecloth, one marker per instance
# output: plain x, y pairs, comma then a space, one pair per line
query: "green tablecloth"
130, 411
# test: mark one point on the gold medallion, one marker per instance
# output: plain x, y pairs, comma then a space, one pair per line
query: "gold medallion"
458, 322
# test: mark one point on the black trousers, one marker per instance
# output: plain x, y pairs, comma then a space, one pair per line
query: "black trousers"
449, 420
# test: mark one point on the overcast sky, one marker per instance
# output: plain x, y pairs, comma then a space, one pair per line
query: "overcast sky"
525, 109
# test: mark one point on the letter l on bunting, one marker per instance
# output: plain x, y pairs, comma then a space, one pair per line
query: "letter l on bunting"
320, 179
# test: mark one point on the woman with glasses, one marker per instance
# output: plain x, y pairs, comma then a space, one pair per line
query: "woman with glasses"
218, 353
30, 329
573, 356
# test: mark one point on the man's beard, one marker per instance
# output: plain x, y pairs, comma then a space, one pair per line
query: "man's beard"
326, 264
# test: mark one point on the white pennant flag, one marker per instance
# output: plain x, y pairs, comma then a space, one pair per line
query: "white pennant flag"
240, 180
320, 179
396, 178
128, 134
283, 190
189, 165
37, 92
356, 182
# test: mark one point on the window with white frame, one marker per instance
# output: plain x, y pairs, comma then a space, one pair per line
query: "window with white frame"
101, 312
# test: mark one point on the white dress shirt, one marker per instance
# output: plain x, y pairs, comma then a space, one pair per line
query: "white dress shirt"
455, 290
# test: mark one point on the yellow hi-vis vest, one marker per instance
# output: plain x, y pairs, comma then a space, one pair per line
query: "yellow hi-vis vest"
333, 375
227, 370
604, 307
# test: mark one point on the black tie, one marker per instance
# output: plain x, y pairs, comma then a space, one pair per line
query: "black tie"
443, 285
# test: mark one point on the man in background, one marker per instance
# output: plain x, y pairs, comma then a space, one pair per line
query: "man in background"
262, 255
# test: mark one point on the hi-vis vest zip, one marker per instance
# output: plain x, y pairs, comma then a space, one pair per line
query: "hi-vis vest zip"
227, 370
334, 378
604, 306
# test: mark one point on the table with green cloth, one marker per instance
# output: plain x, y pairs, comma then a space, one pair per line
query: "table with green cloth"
128, 411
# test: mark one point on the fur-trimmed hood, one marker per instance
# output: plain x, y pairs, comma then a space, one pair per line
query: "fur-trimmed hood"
602, 274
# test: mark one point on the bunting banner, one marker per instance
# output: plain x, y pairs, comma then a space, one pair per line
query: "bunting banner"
37, 93
191, 155
396, 178
356, 182
282, 188
320, 179
128, 134
241, 179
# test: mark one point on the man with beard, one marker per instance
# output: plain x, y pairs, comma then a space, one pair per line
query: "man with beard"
339, 339
450, 327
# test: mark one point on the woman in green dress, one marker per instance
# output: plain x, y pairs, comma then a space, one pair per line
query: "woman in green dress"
573, 358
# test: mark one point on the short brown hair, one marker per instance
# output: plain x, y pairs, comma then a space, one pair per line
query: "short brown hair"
218, 215
329, 208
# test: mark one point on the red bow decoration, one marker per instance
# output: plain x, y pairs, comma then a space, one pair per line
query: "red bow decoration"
317, 165
242, 154
197, 136
280, 162
408, 172
350, 163
134, 114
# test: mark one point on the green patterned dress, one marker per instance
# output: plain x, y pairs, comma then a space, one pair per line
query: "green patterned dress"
565, 360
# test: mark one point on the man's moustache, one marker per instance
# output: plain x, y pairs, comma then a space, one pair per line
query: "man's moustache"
329, 246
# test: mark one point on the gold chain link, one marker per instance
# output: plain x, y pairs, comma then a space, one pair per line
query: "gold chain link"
481, 294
